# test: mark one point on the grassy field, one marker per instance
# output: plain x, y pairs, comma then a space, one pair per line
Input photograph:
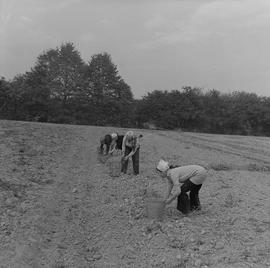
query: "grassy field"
61, 208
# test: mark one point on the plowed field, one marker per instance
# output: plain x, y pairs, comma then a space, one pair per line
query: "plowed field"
59, 206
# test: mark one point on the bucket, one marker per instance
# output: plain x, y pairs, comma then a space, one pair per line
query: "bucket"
102, 158
155, 208
115, 168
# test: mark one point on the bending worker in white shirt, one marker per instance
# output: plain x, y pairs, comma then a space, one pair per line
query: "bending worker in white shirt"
191, 177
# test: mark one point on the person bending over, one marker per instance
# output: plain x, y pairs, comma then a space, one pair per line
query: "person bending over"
131, 149
186, 179
116, 144
108, 141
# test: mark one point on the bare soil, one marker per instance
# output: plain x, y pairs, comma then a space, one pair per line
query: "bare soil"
60, 207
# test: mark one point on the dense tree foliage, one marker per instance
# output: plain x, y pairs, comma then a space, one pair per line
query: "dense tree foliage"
62, 88
110, 97
5, 99
189, 109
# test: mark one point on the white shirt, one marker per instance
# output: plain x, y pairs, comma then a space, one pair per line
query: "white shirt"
197, 174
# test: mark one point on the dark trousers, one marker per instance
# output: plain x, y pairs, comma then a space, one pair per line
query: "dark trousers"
186, 203
106, 141
135, 161
119, 142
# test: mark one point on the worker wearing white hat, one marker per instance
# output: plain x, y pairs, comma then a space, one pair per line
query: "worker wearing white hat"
191, 177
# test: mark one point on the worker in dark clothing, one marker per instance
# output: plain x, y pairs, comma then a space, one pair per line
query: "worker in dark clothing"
108, 141
119, 142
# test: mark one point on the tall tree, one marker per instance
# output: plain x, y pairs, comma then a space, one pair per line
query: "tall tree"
58, 74
64, 71
111, 96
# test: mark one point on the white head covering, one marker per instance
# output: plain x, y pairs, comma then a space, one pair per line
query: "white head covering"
114, 135
130, 133
162, 165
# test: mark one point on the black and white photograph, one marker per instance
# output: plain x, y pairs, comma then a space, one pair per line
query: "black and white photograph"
134, 134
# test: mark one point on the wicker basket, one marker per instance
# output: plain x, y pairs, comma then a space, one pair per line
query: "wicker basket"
115, 167
155, 208
102, 158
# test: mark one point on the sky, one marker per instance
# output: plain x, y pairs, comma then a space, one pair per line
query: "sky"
155, 44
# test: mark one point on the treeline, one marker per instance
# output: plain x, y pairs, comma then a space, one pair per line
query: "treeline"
212, 112
62, 88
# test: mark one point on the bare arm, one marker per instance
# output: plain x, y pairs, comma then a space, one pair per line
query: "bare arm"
169, 197
112, 147
173, 196
130, 154
169, 189
178, 191
137, 146
133, 151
